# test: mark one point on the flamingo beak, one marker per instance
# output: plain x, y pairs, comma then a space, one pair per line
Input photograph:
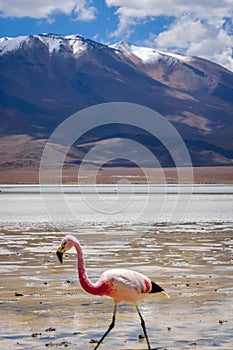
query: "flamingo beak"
59, 253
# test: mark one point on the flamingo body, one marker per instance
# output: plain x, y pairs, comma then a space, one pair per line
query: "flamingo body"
122, 285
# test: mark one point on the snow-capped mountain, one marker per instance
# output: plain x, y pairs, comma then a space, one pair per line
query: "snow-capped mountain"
56, 44
77, 45
45, 78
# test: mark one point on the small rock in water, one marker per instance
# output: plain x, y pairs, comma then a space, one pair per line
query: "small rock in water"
35, 335
141, 336
50, 329
64, 344
18, 294
93, 341
77, 333
193, 344
222, 321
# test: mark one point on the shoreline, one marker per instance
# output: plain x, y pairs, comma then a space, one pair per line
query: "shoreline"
113, 175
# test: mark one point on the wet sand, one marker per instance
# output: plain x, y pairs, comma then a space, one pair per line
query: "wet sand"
52, 311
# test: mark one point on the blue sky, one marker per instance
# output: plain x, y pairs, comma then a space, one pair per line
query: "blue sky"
201, 28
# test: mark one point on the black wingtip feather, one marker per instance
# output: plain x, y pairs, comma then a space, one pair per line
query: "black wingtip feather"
156, 288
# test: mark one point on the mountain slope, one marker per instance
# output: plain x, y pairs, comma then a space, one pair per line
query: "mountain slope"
46, 78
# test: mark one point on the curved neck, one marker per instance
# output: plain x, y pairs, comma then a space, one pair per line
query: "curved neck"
86, 284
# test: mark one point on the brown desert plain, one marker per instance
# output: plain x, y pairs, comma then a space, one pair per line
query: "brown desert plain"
108, 175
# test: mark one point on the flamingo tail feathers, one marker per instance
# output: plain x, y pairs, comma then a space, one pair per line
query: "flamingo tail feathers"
157, 289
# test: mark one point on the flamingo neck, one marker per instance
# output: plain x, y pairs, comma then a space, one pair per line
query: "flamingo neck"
86, 284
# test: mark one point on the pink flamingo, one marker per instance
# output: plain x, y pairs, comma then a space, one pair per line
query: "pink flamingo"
122, 285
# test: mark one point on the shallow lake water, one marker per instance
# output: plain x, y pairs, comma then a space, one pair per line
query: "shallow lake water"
182, 242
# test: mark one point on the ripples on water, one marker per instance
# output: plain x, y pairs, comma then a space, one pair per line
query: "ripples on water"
191, 259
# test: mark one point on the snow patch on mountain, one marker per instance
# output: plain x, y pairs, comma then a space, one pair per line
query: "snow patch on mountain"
11, 44
57, 43
149, 55
77, 44
53, 43
74, 44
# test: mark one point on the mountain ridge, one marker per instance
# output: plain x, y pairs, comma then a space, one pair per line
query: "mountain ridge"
47, 77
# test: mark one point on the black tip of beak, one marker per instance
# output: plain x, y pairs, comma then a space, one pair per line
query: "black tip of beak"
60, 256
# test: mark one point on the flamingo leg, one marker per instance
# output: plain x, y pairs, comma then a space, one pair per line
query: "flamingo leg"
112, 324
143, 327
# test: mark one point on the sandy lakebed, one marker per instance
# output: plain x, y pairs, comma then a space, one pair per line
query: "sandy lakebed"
43, 306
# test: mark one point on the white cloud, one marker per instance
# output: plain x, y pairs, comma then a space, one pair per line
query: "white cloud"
85, 12
198, 38
200, 28
217, 48
181, 34
141, 9
82, 10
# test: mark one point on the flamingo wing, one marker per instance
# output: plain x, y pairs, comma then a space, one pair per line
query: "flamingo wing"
125, 285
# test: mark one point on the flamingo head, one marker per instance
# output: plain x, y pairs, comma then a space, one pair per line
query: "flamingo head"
66, 244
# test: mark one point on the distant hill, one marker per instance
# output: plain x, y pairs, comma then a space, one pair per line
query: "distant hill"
46, 78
